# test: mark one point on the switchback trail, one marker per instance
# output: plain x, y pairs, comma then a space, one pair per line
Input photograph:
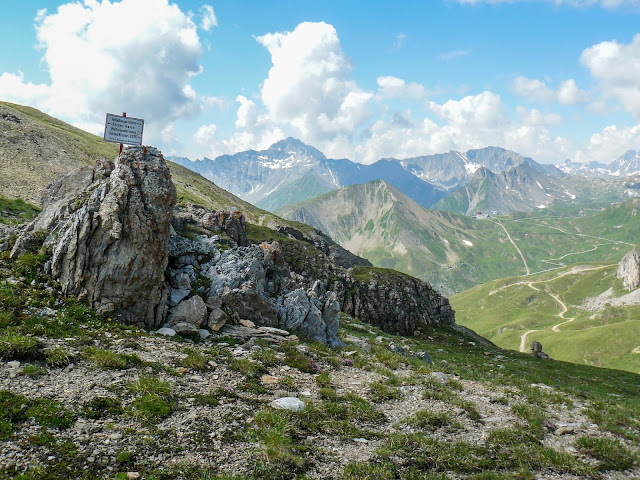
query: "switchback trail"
530, 284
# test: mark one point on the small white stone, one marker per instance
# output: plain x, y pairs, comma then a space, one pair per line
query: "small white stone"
289, 403
361, 440
14, 364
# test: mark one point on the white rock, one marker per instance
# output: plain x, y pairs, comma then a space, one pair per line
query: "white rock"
168, 332
204, 333
14, 364
361, 440
288, 403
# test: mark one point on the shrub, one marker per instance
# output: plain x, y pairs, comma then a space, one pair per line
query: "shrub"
15, 346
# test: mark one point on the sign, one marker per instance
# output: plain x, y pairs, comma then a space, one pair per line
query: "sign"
123, 129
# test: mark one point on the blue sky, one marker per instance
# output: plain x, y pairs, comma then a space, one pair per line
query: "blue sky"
550, 79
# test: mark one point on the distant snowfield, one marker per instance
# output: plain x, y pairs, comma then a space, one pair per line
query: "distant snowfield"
467, 242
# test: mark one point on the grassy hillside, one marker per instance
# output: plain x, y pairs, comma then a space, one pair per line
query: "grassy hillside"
580, 314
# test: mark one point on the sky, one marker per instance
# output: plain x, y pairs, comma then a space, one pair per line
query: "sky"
550, 79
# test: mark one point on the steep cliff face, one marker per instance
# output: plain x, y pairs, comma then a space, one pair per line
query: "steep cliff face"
629, 269
107, 228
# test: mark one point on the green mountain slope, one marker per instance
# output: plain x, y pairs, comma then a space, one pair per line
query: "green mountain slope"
304, 188
580, 314
455, 252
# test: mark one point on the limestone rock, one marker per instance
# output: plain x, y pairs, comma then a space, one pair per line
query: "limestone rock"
217, 319
166, 331
288, 403
183, 328
629, 269
192, 310
108, 228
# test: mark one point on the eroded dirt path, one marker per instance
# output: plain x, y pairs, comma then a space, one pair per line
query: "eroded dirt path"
526, 267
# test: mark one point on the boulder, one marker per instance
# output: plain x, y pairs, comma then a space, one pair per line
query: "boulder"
193, 311
217, 319
536, 351
108, 229
250, 305
185, 328
629, 269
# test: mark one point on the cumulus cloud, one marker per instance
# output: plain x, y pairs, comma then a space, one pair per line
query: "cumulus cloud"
608, 144
205, 134
616, 67
209, 19
310, 86
473, 121
133, 55
535, 90
394, 87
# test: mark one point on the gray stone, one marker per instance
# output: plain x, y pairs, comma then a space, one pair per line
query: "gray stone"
193, 310
275, 331
166, 331
217, 319
424, 356
177, 295
288, 403
13, 364
204, 334
185, 328
108, 227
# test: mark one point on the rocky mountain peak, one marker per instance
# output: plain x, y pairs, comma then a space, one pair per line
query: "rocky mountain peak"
292, 145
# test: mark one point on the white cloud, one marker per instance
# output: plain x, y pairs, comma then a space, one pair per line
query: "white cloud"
474, 121
569, 94
209, 19
310, 85
394, 87
616, 67
205, 134
136, 56
532, 89
535, 90
609, 144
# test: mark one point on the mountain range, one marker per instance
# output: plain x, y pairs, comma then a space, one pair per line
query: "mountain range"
624, 166
487, 179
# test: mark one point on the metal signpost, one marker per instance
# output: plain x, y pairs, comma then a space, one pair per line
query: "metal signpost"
123, 129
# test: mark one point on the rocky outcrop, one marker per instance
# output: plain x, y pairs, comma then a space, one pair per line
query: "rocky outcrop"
108, 228
629, 269
395, 302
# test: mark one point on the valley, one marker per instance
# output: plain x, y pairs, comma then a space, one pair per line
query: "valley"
580, 314
455, 252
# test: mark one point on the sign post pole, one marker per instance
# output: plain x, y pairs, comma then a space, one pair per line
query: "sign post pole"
124, 114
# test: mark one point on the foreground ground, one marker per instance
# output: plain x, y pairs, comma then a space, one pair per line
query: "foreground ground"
84, 397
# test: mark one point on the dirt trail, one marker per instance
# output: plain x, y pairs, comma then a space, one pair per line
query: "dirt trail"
526, 267
523, 340
555, 328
